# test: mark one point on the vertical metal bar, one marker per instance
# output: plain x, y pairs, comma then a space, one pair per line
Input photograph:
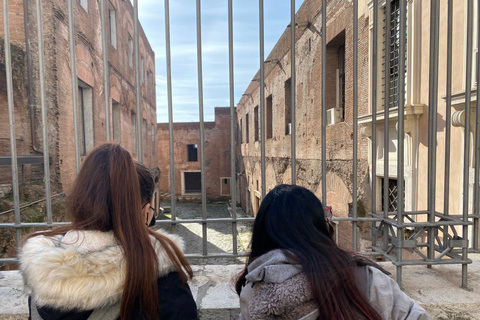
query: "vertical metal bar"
233, 181
386, 127
73, 68
432, 124
11, 119
324, 102
476, 194
355, 122
466, 163
262, 98
293, 85
401, 135
202, 144
138, 94
46, 161
106, 73
448, 115
170, 111
374, 111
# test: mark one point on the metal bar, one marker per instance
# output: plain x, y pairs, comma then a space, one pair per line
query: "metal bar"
46, 156
401, 134
262, 98
466, 147
386, 127
374, 110
73, 70
202, 138
293, 92
355, 123
18, 226
11, 119
233, 176
432, 122
448, 115
476, 195
324, 102
170, 110
138, 93
335, 219
106, 73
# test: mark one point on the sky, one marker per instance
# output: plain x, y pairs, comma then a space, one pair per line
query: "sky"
183, 42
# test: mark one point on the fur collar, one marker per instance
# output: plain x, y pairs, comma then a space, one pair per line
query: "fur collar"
80, 270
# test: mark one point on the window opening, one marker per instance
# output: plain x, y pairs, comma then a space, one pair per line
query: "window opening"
192, 152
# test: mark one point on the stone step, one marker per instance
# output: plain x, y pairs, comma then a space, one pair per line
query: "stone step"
436, 289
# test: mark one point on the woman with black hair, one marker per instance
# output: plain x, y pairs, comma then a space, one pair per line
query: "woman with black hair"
296, 271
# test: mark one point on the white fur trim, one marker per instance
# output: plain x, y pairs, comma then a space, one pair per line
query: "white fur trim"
81, 270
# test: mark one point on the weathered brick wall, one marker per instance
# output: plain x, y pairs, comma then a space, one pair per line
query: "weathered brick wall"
217, 152
308, 113
89, 65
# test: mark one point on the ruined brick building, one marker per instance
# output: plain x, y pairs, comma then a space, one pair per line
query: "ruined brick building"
339, 96
91, 105
187, 157
308, 111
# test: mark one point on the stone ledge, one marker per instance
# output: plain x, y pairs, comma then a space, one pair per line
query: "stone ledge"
436, 289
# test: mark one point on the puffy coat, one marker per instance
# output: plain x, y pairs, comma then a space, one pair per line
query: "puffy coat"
69, 276
276, 288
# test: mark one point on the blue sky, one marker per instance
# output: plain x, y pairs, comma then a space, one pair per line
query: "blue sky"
183, 39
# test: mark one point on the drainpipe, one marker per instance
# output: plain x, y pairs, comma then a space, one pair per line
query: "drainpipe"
31, 102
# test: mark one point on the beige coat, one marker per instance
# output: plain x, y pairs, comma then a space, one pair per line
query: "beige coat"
277, 289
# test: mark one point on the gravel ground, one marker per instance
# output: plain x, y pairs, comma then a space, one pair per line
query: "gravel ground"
219, 234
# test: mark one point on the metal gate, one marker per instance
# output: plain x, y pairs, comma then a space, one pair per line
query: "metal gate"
435, 235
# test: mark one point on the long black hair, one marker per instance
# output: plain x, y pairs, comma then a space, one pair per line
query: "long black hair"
291, 218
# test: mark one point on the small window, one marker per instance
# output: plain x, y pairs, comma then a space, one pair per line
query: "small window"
84, 4
392, 195
85, 117
247, 138
269, 117
192, 152
134, 132
113, 25
257, 123
130, 52
116, 121
150, 79
288, 107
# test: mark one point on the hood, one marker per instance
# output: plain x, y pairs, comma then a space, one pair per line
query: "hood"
80, 270
272, 267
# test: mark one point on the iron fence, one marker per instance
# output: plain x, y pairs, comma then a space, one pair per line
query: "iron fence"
389, 237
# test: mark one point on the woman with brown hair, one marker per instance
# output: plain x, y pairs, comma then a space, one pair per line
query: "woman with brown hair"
296, 271
107, 264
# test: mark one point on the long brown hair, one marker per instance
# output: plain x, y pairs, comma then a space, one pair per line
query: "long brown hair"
291, 218
106, 196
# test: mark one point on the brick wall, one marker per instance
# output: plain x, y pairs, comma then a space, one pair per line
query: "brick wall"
339, 137
217, 153
89, 64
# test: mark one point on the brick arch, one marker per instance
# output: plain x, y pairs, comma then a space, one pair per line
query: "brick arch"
338, 194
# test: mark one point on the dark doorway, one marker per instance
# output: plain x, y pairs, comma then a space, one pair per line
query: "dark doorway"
193, 182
